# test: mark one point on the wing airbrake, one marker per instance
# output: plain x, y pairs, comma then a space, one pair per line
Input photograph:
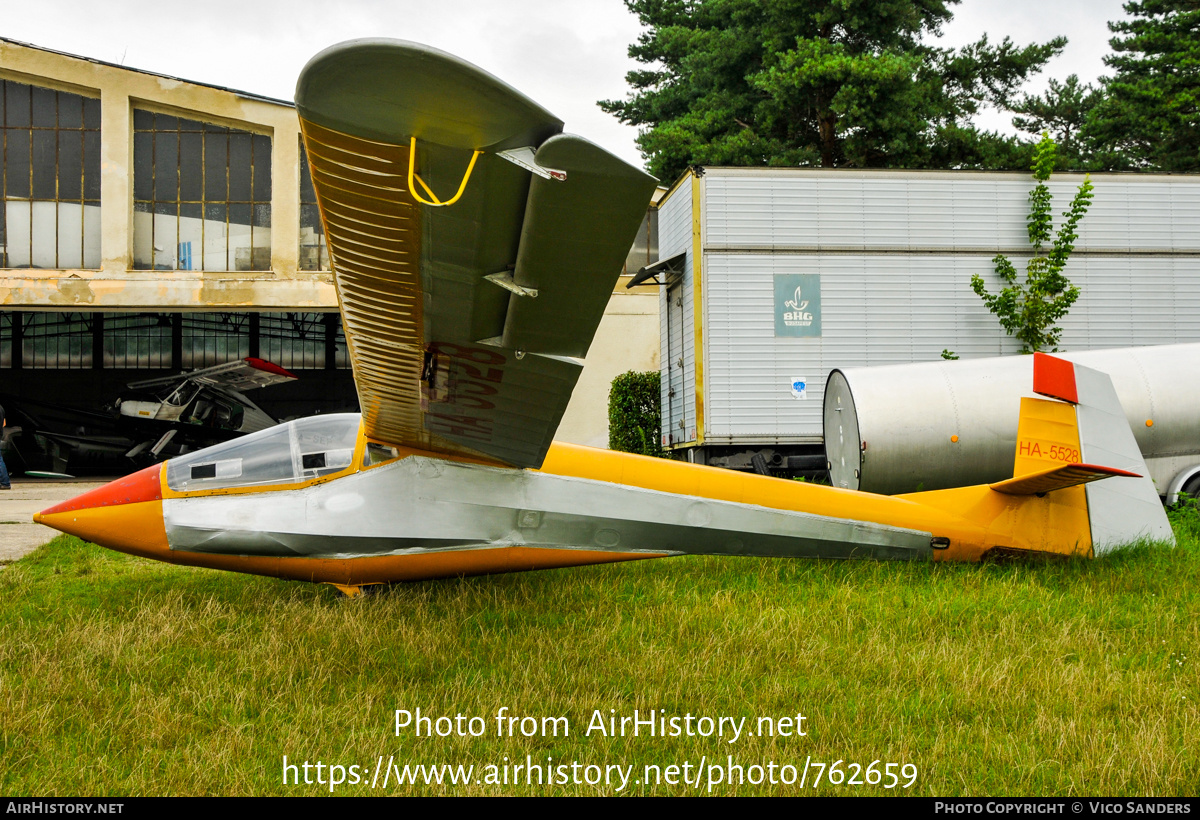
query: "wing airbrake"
474, 246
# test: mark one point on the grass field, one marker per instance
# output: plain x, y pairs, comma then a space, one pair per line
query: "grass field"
120, 676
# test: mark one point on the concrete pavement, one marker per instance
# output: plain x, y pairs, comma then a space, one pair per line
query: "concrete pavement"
18, 534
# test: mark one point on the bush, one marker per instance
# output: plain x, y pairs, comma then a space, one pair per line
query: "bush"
634, 417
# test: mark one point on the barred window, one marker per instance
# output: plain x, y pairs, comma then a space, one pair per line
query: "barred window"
201, 195
50, 178
314, 253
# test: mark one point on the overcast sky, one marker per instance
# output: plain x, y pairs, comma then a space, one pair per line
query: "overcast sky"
565, 54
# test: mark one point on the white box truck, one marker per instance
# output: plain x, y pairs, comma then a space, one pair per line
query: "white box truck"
773, 277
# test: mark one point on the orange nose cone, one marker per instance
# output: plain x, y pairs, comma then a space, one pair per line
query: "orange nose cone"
125, 515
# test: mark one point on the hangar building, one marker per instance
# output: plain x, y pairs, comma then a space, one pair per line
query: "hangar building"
150, 224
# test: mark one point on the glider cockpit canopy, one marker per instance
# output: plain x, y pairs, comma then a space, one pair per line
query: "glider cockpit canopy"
474, 245
290, 453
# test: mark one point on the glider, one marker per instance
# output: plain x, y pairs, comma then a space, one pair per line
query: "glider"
474, 248
205, 406
156, 419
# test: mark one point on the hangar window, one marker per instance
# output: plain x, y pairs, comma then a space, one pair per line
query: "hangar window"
201, 195
170, 341
303, 341
60, 341
314, 253
6, 325
138, 340
50, 178
209, 339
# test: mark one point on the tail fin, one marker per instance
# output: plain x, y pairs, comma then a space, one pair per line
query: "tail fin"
1087, 427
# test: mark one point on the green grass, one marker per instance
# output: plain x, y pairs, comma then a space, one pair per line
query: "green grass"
121, 676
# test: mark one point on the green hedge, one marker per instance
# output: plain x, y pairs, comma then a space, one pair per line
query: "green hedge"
634, 422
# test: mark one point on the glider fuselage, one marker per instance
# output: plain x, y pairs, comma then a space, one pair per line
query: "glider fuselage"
368, 513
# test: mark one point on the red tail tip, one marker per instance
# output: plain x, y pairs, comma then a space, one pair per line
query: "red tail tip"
1054, 377
268, 367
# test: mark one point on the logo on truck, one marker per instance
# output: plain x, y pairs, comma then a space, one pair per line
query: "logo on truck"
798, 317
794, 314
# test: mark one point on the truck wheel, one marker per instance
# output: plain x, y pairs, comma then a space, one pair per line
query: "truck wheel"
1192, 488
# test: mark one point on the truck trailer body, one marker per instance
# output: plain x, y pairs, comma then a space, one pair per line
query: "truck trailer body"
774, 277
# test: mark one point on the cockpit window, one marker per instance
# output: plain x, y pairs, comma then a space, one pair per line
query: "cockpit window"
182, 394
325, 445
286, 454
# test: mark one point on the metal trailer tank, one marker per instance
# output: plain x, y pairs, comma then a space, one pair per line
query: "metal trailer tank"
909, 427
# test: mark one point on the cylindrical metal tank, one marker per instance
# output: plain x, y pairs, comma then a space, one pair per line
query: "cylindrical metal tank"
910, 427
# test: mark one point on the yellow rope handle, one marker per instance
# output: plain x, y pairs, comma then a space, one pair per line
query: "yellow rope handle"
436, 203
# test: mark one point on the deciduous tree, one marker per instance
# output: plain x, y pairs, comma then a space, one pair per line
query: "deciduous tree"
1030, 310
634, 423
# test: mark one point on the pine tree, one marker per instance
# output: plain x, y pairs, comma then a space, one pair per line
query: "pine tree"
817, 82
1062, 112
1150, 117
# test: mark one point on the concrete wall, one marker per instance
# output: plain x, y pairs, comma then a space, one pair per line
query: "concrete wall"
627, 340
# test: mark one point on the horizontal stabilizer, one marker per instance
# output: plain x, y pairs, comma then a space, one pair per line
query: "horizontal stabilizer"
1057, 478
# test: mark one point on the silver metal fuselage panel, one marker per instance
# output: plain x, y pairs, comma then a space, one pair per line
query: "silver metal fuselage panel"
1121, 510
420, 504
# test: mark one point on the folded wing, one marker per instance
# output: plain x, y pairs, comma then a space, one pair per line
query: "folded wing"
474, 246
